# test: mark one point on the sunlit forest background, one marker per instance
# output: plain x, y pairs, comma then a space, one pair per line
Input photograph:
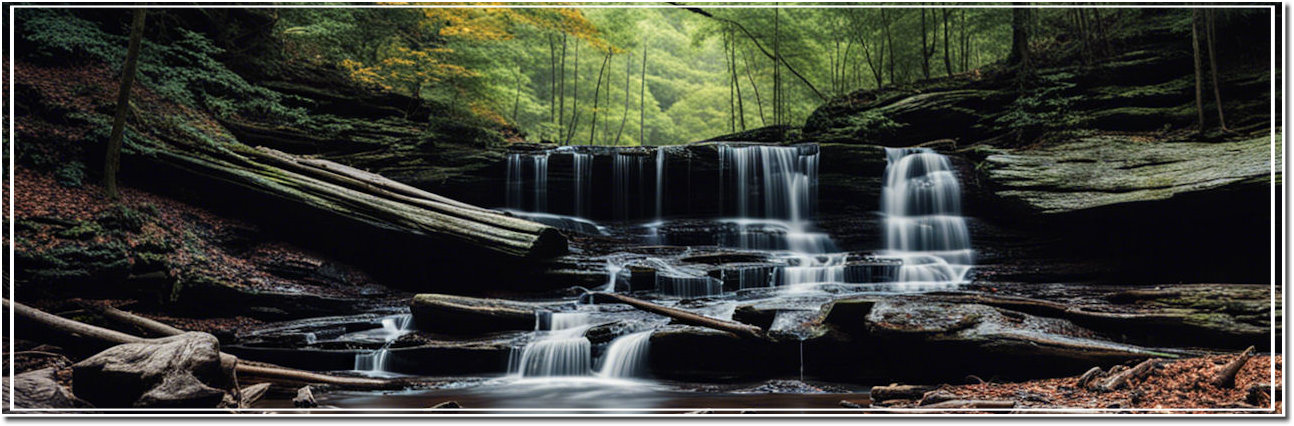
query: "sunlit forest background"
576, 76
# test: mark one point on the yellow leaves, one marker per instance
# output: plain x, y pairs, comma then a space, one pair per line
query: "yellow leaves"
405, 67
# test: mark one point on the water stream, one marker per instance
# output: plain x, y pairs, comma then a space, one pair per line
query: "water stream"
767, 201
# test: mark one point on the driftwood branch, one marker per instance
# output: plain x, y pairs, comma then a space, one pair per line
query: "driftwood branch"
98, 339
1119, 380
897, 391
972, 403
1226, 377
682, 316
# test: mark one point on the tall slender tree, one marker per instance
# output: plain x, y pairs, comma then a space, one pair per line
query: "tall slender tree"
112, 159
624, 116
1199, 68
597, 87
948, 62
1210, 36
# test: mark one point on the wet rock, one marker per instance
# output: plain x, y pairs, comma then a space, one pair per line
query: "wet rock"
854, 404
183, 371
465, 315
447, 404
39, 389
758, 316
692, 353
1087, 173
783, 386
305, 398
901, 317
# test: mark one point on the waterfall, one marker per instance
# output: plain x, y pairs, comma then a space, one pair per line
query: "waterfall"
541, 182
921, 203
627, 356
514, 182
785, 177
392, 328
559, 350
660, 183
582, 174
629, 182
775, 188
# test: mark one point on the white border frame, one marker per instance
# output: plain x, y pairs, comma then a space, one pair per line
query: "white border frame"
12, 411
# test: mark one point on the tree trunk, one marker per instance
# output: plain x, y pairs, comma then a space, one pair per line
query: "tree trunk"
624, 118
597, 89
1199, 68
682, 316
561, 90
948, 61
112, 159
759, 103
1210, 36
925, 56
642, 98
575, 98
889, 43
1019, 57
736, 82
97, 339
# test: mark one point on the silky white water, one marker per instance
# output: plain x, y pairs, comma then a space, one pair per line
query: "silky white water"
775, 191
921, 204
626, 357
392, 328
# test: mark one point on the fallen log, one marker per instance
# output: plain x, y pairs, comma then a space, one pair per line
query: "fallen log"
367, 198
972, 404
1118, 380
682, 316
99, 339
1226, 377
897, 391
149, 325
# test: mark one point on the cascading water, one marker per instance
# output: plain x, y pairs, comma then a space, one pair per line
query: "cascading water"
392, 328
541, 182
560, 348
627, 356
515, 182
775, 188
627, 177
582, 174
921, 203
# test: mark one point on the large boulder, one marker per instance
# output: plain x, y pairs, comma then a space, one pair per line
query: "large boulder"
184, 371
39, 389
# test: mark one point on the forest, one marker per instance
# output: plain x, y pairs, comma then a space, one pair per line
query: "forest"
649, 208
657, 76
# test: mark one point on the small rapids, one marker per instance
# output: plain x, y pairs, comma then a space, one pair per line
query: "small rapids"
375, 362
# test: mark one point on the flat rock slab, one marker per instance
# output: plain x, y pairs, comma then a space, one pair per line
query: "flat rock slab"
183, 371
1097, 171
